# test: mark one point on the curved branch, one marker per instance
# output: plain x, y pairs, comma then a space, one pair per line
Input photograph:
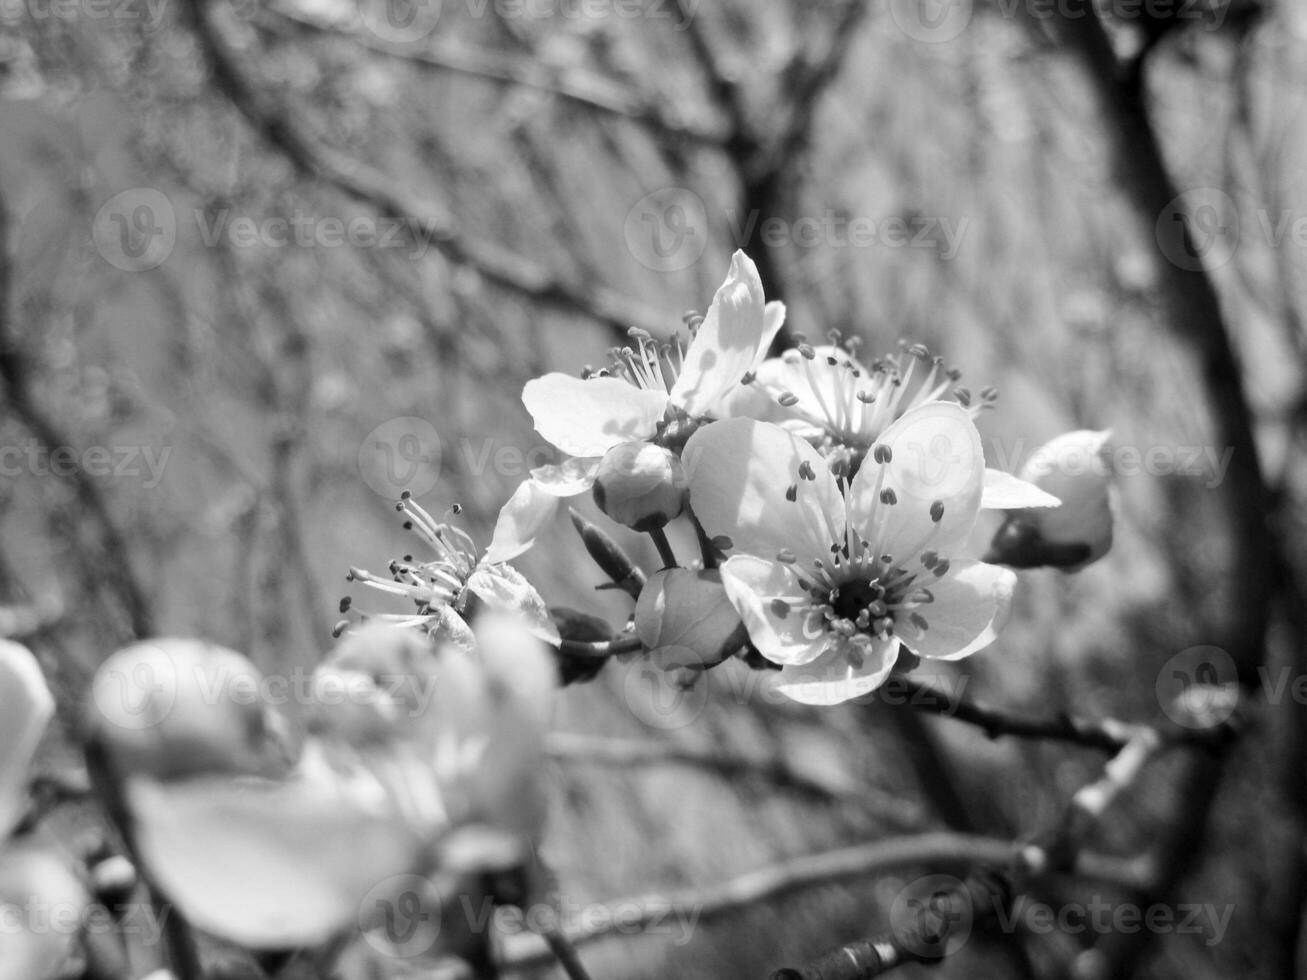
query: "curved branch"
944, 852
1106, 734
594, 93
493, 263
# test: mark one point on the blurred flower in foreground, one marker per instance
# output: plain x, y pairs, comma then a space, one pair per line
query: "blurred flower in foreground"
685, 619
419, 760
1073, 468
26, 707
35, 883
831, 582
451, 588
179, 707
651, 392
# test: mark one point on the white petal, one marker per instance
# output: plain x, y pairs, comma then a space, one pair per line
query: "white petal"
1073, 466
776, 610
936, 459
733, 339
505, 590
833, 679
739, 471
589, 417
568, 478
26, 707
826, 392
267, 864
529, 511
972, 604
43, 904
1003, 491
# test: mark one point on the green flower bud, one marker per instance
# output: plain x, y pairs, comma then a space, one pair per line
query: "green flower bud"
686, 620
640, 485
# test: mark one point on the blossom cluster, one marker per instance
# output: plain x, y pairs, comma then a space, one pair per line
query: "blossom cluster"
833, 499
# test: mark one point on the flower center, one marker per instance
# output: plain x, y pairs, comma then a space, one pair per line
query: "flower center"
853, 598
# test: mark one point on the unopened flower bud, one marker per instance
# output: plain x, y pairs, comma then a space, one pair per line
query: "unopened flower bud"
640, 485
1072, 468
686, 620
175, 707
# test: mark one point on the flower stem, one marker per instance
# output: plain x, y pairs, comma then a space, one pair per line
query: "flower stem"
566, 953
664, 547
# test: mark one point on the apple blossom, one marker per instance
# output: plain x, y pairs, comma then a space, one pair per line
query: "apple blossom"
652, 392
833, 578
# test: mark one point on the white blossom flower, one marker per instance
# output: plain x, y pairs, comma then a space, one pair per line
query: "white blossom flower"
433, 771
825, 395
32, 873
832, 578
447, 589
652, 391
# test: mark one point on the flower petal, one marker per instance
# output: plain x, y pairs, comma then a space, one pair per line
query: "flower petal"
739, 472
570, 477
776, 610
731, 341
505, 590
972, 604
1003, 491
26, 707
267, 864
589, 417
528, 512
823, 386
44, 904
833, 678
935, 459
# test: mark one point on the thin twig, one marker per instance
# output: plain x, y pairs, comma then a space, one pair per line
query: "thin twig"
565, 952
493, 263
16, 368
944, 852
1106, 734
589, 92
603, 648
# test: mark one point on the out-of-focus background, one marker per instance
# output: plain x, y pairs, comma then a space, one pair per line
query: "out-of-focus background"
268, 264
